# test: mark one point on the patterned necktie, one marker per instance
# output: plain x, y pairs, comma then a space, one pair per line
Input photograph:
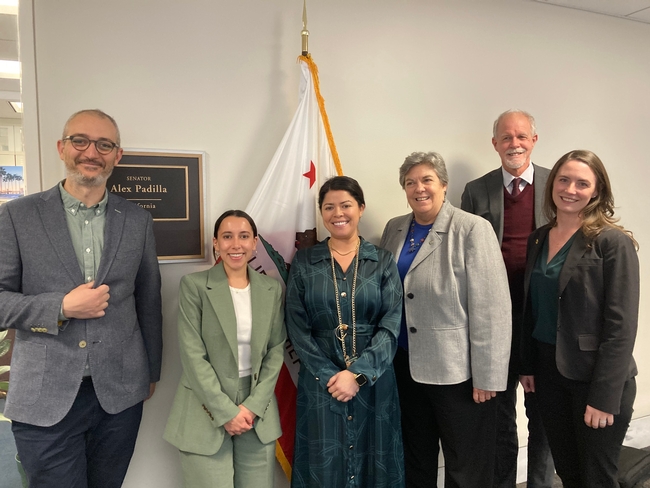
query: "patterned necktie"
515, 187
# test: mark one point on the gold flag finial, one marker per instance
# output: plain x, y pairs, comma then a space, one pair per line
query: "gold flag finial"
305, 32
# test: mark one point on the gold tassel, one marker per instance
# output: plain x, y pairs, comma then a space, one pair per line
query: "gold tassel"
321, 105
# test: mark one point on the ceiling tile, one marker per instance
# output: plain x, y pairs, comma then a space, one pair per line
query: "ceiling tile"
618, 7
8, 27
9, 50
625, 9
643, 15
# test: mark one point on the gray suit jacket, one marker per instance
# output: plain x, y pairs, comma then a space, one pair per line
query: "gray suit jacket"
484, 197
455, 295
207, 332
38, 267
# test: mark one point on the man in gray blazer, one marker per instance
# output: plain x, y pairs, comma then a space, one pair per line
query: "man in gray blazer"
80, 283
511, 198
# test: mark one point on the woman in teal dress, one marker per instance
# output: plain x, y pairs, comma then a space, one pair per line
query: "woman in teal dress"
343, 313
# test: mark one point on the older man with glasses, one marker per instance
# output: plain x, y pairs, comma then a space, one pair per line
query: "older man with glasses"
80, 283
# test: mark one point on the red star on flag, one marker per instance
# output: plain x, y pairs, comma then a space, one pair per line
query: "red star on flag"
311, 174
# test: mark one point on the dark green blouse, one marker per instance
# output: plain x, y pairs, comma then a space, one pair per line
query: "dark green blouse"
544, 291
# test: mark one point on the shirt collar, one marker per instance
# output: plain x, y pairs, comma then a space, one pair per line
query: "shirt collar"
527, 176
72, 205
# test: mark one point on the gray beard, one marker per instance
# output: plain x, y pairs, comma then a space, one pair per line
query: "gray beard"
93, 182
514, 165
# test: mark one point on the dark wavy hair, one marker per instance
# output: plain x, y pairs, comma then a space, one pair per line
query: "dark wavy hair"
599, 212
341, 183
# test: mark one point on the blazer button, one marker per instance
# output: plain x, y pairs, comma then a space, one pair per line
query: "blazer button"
410, 295
255, 377
82, 344
413, 330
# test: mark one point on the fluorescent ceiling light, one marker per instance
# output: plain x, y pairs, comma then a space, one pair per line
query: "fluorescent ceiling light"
17, 106
9, 7
9, 69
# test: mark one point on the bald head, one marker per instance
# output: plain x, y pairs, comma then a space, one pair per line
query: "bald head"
96, 113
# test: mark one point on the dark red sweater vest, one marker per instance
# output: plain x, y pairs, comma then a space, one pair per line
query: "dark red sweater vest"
518, 223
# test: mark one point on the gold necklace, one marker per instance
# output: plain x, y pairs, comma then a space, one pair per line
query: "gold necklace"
332, 248
341, 329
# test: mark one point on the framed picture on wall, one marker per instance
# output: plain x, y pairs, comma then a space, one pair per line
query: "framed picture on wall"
169, 184
12, 183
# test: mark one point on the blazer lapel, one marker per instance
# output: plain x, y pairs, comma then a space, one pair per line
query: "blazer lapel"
54, 221
433, 240
431, 243
539, 184
396, 239
115, 217
261, 308
533, 253
495, 201
573, 257
221, 300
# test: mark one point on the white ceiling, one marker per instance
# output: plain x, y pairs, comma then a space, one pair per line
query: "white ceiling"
635, 10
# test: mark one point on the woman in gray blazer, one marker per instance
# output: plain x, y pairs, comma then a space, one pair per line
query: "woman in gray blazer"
580, 322
225, 419
454, 343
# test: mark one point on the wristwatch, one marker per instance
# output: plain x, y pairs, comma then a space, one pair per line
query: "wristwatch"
360, 379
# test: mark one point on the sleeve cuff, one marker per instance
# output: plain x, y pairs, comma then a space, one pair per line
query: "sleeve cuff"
62, 318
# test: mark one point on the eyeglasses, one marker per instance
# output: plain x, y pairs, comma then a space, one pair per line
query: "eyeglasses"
81, 143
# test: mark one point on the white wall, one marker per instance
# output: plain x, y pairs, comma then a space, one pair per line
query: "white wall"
397, 76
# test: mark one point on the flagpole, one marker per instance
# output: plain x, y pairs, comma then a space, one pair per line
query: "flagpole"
305, 32
285, 207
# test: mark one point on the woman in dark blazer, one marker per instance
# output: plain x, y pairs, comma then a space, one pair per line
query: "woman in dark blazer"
580, 322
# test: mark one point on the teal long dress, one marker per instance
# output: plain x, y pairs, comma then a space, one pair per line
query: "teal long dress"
357, 443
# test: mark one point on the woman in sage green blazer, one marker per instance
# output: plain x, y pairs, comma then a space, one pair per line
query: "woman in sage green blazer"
224, 419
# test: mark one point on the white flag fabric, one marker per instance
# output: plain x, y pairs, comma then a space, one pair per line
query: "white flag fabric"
285, 209
285, 202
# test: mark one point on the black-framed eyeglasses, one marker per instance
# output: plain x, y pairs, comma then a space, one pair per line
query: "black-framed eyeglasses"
81, 143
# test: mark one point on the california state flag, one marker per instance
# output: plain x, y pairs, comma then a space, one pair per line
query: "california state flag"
285, 210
